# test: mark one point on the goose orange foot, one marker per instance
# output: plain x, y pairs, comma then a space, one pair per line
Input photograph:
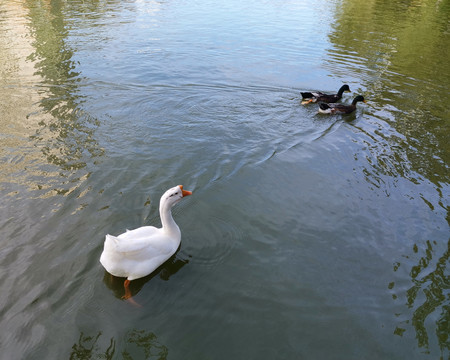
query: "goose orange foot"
128, 297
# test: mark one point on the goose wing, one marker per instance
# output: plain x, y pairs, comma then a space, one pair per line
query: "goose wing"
148, 239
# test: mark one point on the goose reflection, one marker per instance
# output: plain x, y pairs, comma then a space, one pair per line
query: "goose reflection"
165, 271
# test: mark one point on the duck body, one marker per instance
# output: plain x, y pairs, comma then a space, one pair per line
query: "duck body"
137, 253
325, 108
315, 96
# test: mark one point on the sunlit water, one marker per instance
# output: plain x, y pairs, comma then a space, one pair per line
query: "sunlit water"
307, 236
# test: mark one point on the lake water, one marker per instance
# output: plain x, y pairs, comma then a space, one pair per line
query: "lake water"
307, 236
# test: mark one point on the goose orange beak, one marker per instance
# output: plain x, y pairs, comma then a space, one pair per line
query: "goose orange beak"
185, 192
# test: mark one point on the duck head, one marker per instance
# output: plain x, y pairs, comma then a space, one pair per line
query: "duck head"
344, 88
358, 99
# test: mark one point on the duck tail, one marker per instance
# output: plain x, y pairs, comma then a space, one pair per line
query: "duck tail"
324, 108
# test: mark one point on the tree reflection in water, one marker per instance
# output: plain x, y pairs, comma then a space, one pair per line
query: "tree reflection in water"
87, 348
65, 132
435, 285
140, 344
410, 138
148, 343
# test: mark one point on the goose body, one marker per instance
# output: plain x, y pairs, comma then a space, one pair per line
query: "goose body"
340, 108
137, 253
315, 96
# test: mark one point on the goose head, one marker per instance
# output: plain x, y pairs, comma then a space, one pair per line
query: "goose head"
174, 195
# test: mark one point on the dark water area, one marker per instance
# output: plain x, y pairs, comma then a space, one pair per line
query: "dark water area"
307, 236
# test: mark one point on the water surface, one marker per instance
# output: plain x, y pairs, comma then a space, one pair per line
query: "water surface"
307, 236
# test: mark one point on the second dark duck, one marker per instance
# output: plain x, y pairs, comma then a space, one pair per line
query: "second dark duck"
340, 108
315, 96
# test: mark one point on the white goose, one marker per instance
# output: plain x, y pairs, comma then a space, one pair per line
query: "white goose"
137, 253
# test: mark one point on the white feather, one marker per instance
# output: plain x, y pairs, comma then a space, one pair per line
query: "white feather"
137, 253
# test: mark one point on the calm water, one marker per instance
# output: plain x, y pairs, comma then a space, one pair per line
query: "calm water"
307, 237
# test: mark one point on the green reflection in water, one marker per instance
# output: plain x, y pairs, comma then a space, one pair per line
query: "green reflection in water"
87, 348
400, 52
433, 285
65, 133
429, 279
147, 342
140, 344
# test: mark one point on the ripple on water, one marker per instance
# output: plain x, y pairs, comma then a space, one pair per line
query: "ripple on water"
210, 246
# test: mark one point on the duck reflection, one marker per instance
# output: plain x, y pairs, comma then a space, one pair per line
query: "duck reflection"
165, 271
141, 342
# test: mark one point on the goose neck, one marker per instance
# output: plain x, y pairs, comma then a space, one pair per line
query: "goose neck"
167, 221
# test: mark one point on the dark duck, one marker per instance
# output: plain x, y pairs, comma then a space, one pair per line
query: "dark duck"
340, 108
315, 96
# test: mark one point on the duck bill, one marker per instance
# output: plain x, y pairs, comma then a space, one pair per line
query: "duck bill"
185, 192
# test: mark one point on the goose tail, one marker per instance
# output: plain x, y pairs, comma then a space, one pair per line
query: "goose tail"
110, 242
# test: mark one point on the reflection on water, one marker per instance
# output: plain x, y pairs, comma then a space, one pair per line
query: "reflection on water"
396, 48
110, 100
428, 298
140, 344
67, 137
165, 271
59, 128
139, 341
87, 348
385, 37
